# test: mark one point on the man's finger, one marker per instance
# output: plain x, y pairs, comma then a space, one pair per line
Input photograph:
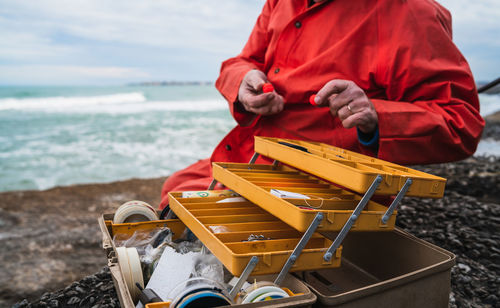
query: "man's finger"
339, 102
257, 100
272, 107
332, 87
256, 81
354, 120
348, 97
343, 113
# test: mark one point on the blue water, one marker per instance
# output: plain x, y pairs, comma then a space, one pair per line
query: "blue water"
52, 136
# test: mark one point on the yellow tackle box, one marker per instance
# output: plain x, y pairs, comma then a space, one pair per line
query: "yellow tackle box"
238, 230
350, 169
292, 216
255, 181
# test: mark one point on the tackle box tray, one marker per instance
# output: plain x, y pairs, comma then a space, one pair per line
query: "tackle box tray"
254, 182
303, 296
349, 169
225, 229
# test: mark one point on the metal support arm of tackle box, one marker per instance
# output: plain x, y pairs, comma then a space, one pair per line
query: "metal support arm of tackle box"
352, 219
359, 208
244, 276
298, 249
397, 200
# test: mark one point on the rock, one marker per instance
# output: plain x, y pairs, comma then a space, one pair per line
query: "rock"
71, 293
463, 267
107, 287
492, 300
23, 303
73, 300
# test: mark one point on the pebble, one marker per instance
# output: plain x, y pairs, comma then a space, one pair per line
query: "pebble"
71, 293
464, 267
492, 300
73, 300
80, 290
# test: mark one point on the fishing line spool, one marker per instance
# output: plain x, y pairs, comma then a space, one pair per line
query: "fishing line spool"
130, 264
199, 292
135, 211
259, 292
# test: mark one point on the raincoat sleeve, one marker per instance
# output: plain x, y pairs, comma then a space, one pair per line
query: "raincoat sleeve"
252, 57
432, 111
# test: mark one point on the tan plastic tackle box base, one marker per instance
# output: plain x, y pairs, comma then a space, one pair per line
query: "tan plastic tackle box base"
304, 297
385, 269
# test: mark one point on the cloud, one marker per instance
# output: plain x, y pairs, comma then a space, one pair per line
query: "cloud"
168, 39
173, 39
475, 32
196, 24
475, 21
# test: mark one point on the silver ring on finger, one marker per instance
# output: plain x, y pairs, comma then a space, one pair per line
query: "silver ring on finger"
349, 108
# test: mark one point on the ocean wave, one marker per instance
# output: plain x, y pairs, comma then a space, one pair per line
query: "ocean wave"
123, 103
67, 102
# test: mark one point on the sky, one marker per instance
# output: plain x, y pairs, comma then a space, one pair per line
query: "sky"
90, 42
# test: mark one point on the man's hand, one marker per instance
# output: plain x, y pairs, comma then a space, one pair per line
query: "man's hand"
252, 98
350, 103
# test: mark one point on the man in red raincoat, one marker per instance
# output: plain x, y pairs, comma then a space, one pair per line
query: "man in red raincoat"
389, 82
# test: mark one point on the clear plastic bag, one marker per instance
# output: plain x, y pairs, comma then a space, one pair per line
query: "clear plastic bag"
142, 238
149, 244
208, 266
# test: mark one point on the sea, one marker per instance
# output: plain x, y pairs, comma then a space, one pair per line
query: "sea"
59, 136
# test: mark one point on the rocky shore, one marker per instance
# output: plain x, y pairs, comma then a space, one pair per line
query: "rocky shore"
51, 255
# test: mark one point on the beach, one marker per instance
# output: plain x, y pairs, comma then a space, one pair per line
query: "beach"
52, 242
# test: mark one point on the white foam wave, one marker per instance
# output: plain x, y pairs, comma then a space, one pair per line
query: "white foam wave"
124, 103
64, 102
197, 105
152, 106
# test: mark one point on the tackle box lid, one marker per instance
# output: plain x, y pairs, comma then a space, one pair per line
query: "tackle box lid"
349, 169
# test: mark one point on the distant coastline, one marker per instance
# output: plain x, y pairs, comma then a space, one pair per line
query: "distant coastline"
171, 83
494, 90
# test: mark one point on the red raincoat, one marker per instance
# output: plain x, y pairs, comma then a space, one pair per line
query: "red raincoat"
399, 52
